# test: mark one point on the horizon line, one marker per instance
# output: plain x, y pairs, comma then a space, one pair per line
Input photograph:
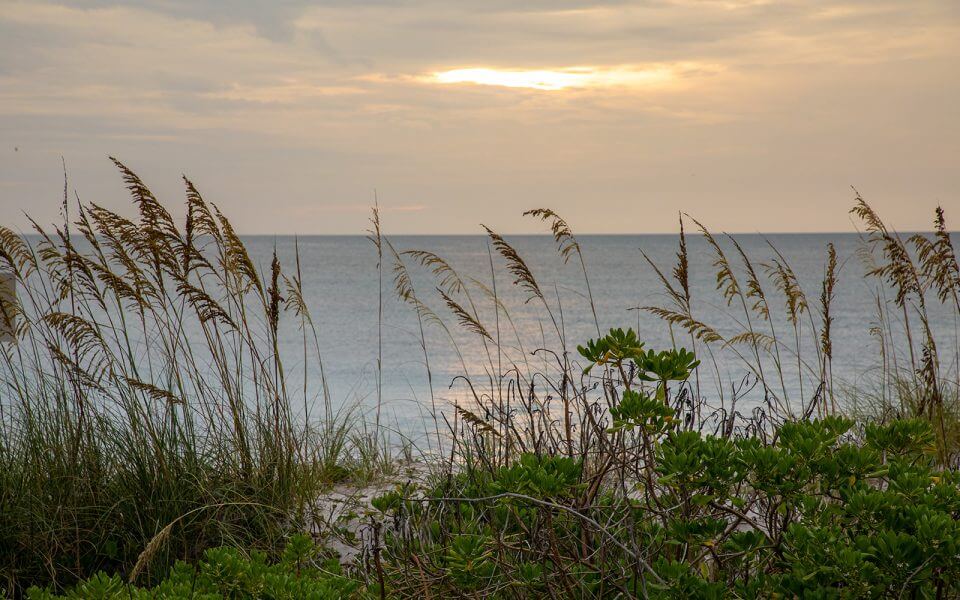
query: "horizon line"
691, 233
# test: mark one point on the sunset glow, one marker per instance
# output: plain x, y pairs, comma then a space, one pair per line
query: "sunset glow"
553, 80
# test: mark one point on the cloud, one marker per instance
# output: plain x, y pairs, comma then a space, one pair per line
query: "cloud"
458, 103
289, 91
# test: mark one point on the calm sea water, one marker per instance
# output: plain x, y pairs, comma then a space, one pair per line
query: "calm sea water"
341, 284
342, 287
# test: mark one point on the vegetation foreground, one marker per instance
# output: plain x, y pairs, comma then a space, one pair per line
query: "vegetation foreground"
805, 516
141, 460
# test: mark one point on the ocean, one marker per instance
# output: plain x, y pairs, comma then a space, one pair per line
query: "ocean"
342, 286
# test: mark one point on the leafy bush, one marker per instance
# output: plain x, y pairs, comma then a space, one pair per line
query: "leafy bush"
228, 573
818, 508
817, 513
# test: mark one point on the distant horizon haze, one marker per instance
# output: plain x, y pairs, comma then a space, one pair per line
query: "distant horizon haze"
507, 226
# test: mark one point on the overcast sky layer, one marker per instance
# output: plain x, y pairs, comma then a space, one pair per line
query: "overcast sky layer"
291, 116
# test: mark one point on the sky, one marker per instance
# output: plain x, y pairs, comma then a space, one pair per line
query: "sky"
294, 117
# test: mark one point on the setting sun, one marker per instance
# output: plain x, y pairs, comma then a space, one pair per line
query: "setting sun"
557, 79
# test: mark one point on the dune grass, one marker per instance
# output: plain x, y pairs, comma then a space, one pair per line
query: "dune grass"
146, 412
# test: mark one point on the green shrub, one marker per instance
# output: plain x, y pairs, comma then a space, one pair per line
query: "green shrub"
811, 508
229, 573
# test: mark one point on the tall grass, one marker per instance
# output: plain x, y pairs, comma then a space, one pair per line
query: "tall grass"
145, 412
550, 491
782, 339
